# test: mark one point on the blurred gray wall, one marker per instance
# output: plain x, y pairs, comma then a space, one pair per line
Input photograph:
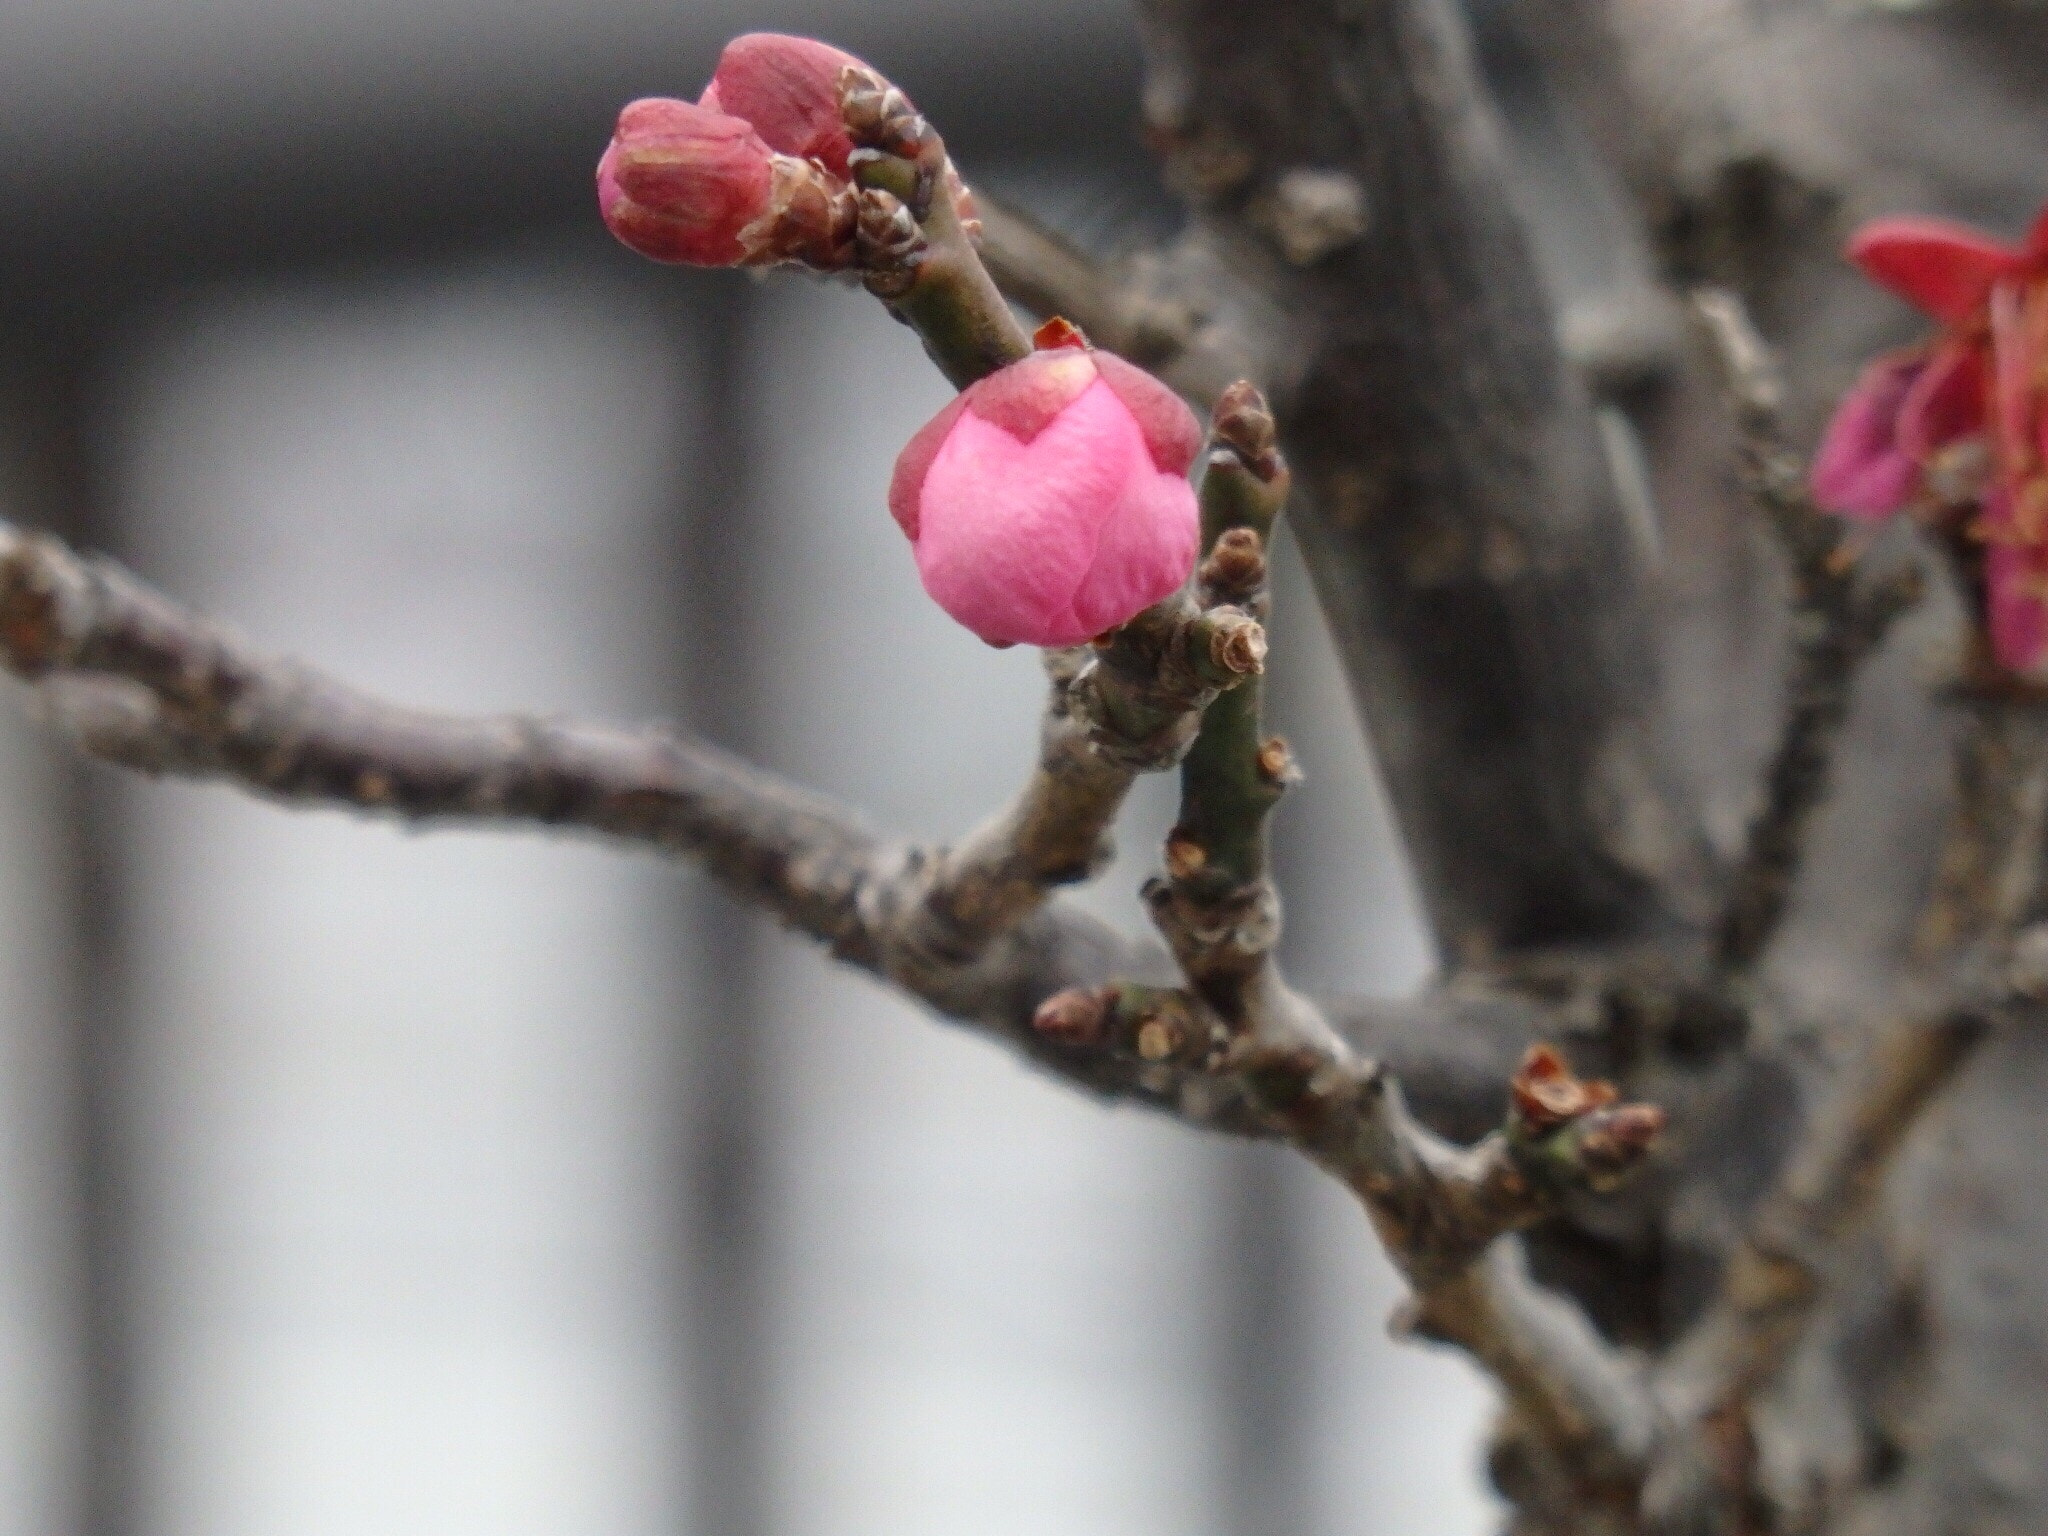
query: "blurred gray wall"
364, 1183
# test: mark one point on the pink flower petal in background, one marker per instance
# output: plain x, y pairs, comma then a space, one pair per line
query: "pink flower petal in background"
2013, 582
1947, 402
1860, 469
1945, 269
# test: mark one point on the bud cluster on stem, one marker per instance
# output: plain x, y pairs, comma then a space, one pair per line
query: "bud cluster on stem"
758, 171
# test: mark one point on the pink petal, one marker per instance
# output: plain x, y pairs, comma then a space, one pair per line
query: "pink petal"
1026, 396
2018, 618
1171, 431
906, 482
1945, 403
1946, 269
788, 88
1146, 549
1859, 470
1053, 541
2013, 373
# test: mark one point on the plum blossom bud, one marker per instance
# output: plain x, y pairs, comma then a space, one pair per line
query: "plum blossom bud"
682, 183
791, 90
788, 89
1050, 501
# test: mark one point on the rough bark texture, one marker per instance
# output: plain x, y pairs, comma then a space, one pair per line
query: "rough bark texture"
1479, 571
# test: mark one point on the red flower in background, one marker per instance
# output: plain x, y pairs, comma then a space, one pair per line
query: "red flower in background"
1962, 419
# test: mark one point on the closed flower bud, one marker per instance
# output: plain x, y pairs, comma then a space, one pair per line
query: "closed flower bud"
788, 89
1050, 501
684, 183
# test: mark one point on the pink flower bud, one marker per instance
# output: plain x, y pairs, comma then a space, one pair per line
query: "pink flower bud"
684, 183
1050, 501
788, 88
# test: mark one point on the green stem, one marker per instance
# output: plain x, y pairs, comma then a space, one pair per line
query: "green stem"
1232, 777
940, 289
953, 304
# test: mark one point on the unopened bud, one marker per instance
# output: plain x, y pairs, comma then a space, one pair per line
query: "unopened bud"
1544, 1094
682, 182
1237, 644
1158, 1038
1236, 567
879, 116
1185, 857
1276, 762
1242, 422
1614, 1140
685, 184
1077, 1016
1048, 504
788, 89
890, 241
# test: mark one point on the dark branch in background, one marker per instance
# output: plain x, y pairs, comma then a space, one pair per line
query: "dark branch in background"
1355, 239
1837, 622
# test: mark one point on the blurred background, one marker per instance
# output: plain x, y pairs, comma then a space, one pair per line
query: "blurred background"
361, 1184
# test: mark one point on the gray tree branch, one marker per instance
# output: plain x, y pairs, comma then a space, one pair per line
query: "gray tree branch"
133, 678
1355, 237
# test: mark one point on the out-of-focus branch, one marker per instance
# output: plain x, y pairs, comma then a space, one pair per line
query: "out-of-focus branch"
1776, 1278
1047, 274
1837, 622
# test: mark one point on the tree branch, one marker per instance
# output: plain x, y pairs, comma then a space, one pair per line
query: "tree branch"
1776, 1278
1114, 303
1438, 1209
1837, 622
1355, 236
134, 679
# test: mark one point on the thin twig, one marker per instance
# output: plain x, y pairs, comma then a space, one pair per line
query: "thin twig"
1837, 622
1127, 705
1048, 275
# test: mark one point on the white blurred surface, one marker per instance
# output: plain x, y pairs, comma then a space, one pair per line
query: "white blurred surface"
995, 1307
403, 1106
